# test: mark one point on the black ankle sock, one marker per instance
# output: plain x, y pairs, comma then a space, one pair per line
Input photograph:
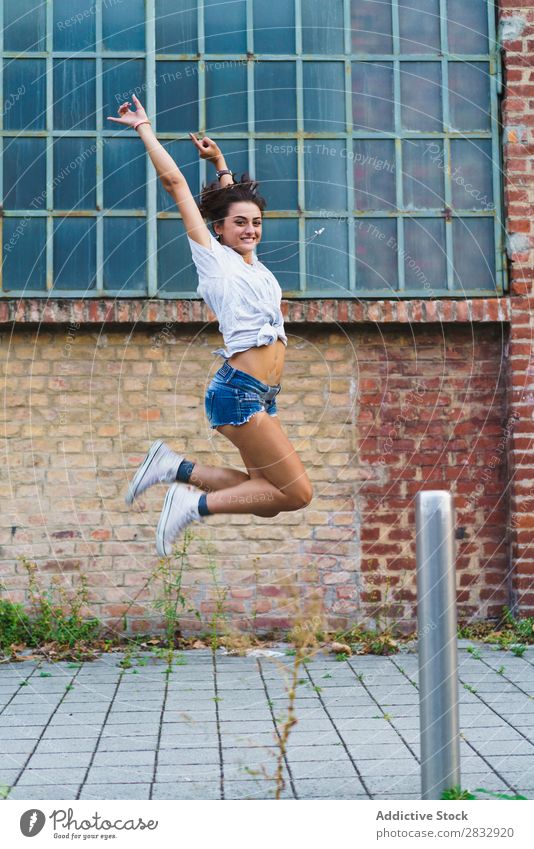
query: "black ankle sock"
202, 505
184, 471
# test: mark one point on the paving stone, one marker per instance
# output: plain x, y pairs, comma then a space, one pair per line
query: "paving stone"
22, 732
65, 747
133, 718
189, 741
127, 744
139, 791
330, 788
316, 753
136, 758
119, 774
166, 772
47, 777
175, 757
259, 789
59, 760
187, 790
55, 792
316, 769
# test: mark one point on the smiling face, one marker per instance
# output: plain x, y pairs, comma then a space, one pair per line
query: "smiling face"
241, 229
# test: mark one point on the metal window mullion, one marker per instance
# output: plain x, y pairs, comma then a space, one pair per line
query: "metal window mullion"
350, 232
152, 181
251, 112
449, 243
500, 256
397, 143
201, 85
300, 147
49, 147
99, 153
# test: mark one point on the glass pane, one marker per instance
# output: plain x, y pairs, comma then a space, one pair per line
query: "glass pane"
186, 157
374, 174
425, 254
421, 96
124, 238
325, 170
275, 96
74, 25
468, 26
472, 174
474, 253
371, 26
24, 94
177, 96
236, 156
372, 96
24, 254
74, 94
274, 26
74, 173
419, 26
24, 173
226, 96
176, 29
121, 77
276, 168
322, 26
75, 253
225, 26
124, 174
24, 25
123, 25
279, 250
324, 96
327, 258
176, 272
376, 254
469, 91
423, 174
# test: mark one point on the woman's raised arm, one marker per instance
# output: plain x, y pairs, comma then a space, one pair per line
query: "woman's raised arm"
170, 175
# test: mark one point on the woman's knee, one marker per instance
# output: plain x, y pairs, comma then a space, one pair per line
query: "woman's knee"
301, 497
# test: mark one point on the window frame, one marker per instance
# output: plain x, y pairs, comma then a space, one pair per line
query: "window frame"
301, 214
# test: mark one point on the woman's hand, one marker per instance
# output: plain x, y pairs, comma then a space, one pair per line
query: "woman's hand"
207, 148
129, 118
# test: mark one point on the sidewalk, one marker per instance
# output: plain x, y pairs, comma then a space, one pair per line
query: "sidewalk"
97, 731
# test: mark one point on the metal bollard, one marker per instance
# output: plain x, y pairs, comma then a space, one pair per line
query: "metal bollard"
437, 645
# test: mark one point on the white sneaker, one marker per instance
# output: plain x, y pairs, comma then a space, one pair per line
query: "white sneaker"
180, 508
159, 466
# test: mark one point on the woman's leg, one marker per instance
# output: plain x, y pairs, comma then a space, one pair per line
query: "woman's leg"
212, 478
277, 479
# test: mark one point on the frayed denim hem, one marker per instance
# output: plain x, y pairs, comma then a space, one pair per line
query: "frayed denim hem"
237, 424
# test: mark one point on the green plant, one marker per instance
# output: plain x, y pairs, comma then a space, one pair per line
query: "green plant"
475, 652
170, 573
57, 615
518, 649
470, 688
457, 792
14, 624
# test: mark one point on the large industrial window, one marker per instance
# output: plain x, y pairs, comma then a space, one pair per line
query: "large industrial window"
371, 124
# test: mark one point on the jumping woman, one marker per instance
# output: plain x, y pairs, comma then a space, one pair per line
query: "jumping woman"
240, 399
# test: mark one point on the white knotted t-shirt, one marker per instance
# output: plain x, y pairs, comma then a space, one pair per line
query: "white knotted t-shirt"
245, 297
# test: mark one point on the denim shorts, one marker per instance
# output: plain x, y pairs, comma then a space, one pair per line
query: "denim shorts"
233, 396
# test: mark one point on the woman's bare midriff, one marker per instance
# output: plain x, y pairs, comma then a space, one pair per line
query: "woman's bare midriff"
265, 362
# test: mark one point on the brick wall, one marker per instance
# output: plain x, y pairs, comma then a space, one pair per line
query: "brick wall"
517, 35
377, 411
